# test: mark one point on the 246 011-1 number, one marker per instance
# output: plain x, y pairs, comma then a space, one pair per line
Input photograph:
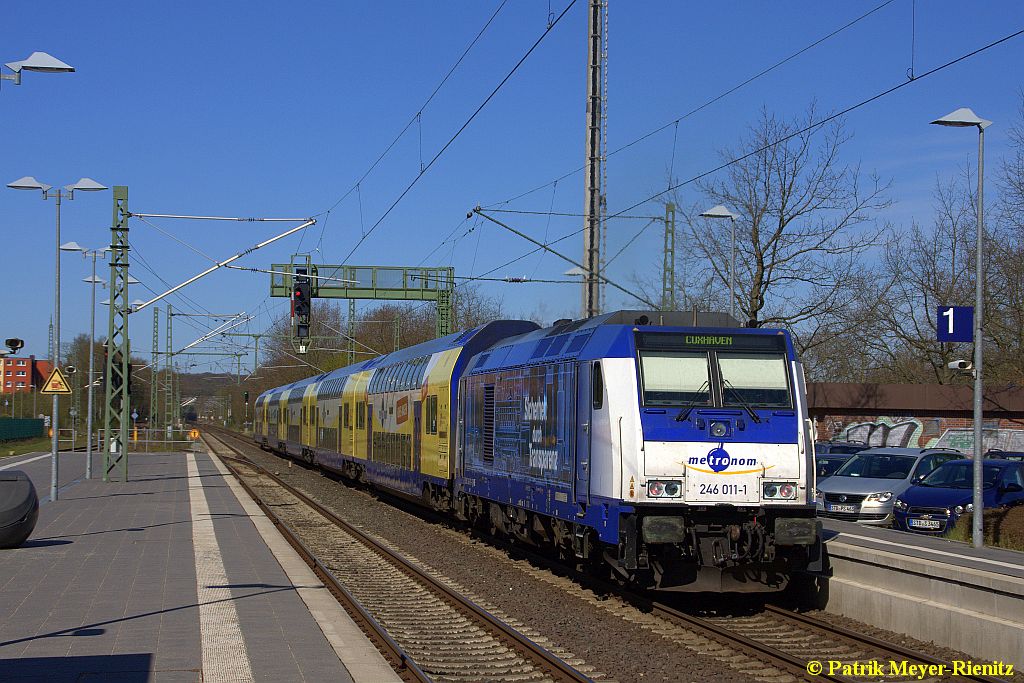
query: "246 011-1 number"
723, 489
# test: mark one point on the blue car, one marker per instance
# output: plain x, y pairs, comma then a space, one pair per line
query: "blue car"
933, 504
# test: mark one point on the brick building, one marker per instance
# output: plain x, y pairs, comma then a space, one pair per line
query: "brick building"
917, 415
21, 374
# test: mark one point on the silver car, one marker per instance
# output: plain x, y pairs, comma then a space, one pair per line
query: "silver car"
866, 486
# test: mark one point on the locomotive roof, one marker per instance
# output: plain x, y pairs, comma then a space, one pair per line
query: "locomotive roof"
602, 336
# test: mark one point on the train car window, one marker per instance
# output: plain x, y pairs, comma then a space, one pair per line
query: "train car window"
346, 418
360, 415
431, 411
597, 385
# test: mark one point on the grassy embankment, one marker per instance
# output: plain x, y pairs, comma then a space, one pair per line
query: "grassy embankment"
1003, 528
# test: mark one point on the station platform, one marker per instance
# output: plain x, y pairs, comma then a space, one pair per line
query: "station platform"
175, 575
925, 547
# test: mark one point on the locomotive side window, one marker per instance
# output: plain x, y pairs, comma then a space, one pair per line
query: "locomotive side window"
754, 379
597, 384
675, 377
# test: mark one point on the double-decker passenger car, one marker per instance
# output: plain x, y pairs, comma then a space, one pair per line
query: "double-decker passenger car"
678, 454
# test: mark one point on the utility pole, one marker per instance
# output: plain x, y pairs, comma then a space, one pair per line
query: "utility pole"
118, 348
154, 369
668, 267
592, 173
169, 371
351, 332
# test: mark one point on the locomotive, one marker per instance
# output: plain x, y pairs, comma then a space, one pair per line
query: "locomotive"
671, 449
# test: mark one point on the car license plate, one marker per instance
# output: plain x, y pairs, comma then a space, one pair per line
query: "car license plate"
844, 508
926, 523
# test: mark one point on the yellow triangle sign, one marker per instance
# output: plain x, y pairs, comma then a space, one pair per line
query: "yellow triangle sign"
56, 384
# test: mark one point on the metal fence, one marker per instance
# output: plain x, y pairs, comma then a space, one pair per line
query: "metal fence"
20, 428
140, 440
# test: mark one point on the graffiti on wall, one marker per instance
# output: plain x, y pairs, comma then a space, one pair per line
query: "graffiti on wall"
962, 439
886, 431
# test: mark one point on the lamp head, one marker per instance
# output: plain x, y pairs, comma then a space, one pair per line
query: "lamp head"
41, 62
719, 212
72, 246
85, 185
28, 183
961, 118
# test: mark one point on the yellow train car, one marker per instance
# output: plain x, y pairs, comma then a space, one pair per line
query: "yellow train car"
388, 421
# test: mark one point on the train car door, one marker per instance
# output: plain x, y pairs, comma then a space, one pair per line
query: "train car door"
584, 420
417, 434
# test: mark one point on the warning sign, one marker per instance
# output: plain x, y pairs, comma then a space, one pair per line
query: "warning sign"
194, 434
56, 383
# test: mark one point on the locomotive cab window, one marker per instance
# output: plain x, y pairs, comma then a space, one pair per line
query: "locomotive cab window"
754, 379
675, 378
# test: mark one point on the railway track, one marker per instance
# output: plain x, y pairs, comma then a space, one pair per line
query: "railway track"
773, 645
430, 632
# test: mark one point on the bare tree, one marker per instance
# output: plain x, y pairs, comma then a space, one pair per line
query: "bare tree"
805, 225
928, 268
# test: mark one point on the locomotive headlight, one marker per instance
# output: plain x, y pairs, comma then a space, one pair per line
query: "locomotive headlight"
719, 429
664, 489
779, 490
970, 507
959, 509
900, 505
878, 497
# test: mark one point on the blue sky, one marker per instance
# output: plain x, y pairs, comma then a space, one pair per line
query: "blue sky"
276, 109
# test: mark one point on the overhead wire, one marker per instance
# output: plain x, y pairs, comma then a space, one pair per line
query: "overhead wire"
423, 106
462, 128
716, 98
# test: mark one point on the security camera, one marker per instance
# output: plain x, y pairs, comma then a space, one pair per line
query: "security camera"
962, 365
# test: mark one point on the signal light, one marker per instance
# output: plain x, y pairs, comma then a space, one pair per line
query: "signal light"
301, 303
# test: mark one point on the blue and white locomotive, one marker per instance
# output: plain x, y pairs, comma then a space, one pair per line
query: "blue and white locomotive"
676, 453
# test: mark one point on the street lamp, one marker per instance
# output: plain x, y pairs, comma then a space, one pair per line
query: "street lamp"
37, 61
93, 280
962, 118
84, 185
722, 212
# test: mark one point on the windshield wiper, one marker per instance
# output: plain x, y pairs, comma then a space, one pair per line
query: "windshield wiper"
739, 397
688, 408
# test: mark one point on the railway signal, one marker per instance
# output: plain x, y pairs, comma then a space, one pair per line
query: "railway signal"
301, 303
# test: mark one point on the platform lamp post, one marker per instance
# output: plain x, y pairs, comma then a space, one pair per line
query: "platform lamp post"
965, 118
37, 61
722, 212
68, 191
91, 377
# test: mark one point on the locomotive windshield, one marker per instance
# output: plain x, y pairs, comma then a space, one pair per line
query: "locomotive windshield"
675, 377
724, 370
756, 379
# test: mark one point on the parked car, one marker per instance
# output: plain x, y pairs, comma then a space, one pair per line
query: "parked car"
866, 486
1000, 454
827, 464
829, 456
932, 505
839, 447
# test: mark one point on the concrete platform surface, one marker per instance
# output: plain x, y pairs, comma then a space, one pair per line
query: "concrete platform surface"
168, 577
925, 547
